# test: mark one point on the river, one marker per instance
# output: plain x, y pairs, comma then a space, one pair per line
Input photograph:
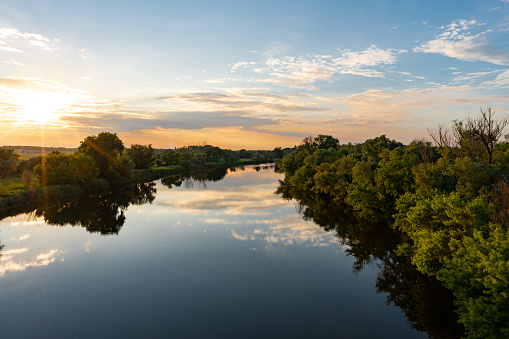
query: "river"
220, 258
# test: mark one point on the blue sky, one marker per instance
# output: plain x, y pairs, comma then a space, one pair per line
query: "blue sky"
240, 74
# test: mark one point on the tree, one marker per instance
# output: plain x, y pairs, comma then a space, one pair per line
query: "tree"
142, 155
63, 169
8, 161
325, 142
170, 157
475, 137
479, 275
104, 149
485, 130
278, 153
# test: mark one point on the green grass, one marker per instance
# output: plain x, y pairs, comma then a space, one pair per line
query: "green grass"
9, 186
173, 167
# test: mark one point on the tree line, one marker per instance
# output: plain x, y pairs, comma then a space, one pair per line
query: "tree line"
449, 200
105, 156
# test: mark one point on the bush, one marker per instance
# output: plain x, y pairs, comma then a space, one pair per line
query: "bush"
62, 169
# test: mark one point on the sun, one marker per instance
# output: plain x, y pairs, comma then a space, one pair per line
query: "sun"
41, 107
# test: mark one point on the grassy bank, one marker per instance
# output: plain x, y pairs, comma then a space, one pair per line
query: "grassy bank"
15, 198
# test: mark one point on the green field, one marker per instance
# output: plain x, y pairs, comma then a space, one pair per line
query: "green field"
9, 186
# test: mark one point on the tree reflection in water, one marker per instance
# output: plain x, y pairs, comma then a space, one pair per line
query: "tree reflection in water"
102, 214
199, 178
427, 304
105, 214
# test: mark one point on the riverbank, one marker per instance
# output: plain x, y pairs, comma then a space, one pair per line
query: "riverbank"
28, 198
25, 199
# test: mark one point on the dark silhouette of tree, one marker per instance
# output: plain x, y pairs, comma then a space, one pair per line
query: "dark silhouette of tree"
8, 162
103, 214
104, 148
142, 155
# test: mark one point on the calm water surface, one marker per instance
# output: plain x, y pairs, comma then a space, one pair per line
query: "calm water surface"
225, 258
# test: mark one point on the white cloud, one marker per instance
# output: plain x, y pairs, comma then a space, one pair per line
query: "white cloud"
12, 35
288, 230
10, 49
470, 77
10, 260
457, 42
501, 81
85, 53
302, 71
14, 62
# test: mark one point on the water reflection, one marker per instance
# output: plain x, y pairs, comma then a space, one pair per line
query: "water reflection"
199, 178
104, 214
246, 214
14, 260
427, 305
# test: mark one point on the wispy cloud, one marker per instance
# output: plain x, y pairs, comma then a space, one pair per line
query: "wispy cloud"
472, 77
85, 53
457, 42
10, 260
501, 81
14, 62
305, 70
10, 36
245, 102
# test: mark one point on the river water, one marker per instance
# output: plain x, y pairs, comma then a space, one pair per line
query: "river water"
225, 258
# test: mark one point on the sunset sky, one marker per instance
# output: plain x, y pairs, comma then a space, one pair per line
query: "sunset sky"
247, 74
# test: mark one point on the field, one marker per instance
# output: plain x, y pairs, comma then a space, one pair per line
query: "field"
27, 152
9, 186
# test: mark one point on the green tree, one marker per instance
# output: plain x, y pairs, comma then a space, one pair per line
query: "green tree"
434, 222
170, 158
142, 155
62, 169
479, 276
8, 162
104, 148
29, 165
325, 142
278, 153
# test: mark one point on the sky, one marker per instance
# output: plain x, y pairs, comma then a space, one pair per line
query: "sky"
247, 74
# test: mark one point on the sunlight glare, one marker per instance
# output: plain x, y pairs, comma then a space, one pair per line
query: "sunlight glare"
42, 107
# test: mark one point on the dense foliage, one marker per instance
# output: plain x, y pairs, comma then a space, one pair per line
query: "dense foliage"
8, 162
64, 169
143, 156
449, 200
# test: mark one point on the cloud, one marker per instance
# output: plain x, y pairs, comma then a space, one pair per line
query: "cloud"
85, 53
305, 70
456, 42
501, 81
10, 262
20, 96
288, 230
390, 105
14, 62
10, 49
471, 77
12, 35
245, 102
242, 64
